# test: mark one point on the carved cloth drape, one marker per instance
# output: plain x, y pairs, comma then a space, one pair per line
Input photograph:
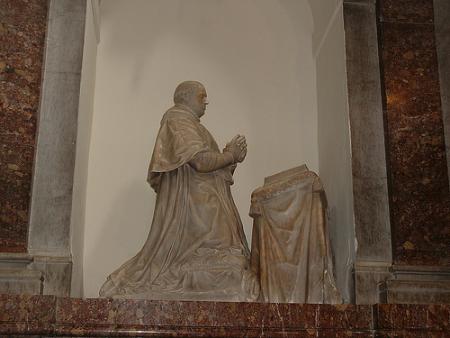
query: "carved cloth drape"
290, 249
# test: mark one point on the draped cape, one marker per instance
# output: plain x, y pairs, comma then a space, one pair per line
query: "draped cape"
291, 252
196, 248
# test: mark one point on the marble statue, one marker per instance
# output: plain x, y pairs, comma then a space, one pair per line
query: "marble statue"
290, 248
196, 248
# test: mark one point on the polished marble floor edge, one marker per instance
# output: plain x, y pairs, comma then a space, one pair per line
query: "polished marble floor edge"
54, 316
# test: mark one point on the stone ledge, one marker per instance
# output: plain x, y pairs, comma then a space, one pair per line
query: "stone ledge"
54, 316
35, 274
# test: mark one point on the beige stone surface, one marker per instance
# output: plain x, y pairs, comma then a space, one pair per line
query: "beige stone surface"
290, 247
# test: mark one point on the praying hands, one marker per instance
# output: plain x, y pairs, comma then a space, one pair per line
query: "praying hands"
237, 147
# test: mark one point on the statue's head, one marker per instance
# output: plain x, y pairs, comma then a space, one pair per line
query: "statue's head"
193, 95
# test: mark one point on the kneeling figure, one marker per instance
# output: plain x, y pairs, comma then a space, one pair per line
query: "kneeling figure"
196, 248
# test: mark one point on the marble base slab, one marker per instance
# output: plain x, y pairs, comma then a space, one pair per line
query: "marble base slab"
404, 291
62, 317
22, 273
369, 276
417, 285
378, 282
18, 281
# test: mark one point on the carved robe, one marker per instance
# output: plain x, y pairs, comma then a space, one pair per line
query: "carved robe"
196, 248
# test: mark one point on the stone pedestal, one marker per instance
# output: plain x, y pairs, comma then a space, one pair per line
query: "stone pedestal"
291, 253
52, 316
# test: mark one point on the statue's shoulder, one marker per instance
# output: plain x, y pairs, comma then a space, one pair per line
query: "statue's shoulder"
177, 116
173, 115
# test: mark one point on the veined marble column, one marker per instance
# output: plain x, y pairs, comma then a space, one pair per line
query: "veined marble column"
372, 224
442, 29
36, 207
22, 39
419, 195
417, 167
401, 188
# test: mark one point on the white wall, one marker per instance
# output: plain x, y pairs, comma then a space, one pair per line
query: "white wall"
255, 58
85, 110
323, 12
334, 135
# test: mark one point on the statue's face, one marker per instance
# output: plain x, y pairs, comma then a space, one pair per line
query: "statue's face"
199, 102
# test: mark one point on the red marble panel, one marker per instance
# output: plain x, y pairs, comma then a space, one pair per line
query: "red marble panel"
60, 317
22, 37
414, 317
333, 333
416, 158
411, 334
27, 314
211, 318
85, 314
416, 11
345, 316
15, 184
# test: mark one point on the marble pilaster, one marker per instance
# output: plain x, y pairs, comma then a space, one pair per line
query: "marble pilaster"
372, 224
48, 266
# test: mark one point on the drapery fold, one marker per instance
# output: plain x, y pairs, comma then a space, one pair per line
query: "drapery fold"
290, 248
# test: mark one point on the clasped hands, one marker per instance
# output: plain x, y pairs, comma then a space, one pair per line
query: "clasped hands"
237, 147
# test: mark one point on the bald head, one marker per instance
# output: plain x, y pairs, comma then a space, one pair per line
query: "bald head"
193, 95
